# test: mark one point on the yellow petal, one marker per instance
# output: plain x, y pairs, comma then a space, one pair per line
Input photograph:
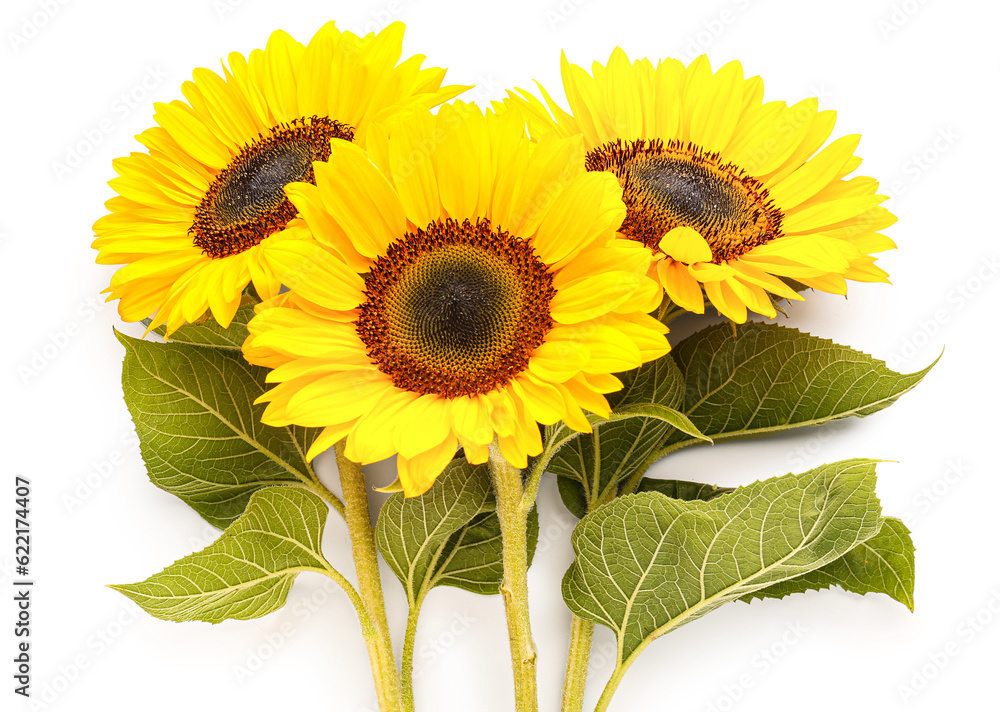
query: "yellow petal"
831, 283
191, 133
589, 209
718, 109
359, 199
611, 351
330, 436
586, 397
590, 297
683, 289
371, 440
421, 424
710, 272
334, 399
686, 244
311, 271
624, 255
753, 275
308, 200
411, 152
470, 419
418, 473
462, 162
814, 175
753, 296
542, 401
726, 301
815, 217
558, 359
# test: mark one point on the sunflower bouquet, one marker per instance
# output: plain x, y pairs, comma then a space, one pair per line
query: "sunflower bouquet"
339, 255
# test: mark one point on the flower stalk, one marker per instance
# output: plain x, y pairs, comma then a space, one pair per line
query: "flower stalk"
577, 663
514, 587
365, 553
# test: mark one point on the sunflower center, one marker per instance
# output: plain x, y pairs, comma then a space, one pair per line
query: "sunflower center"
246, 201
455, 309
672, 185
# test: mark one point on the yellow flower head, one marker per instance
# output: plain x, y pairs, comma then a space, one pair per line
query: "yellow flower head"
465, 284
197, 212
730, 194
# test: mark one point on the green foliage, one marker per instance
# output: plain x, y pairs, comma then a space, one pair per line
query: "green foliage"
210, 333
647, 563
770, 378
644, 414
249, 570
449, 536
199, 431
575, 498
882, 564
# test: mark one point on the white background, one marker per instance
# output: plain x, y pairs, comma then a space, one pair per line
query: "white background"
918, 80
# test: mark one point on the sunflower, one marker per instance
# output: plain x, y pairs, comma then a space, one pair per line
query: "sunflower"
733, 196
465, 284
197, 214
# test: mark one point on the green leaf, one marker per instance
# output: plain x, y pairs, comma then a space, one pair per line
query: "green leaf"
771, 378
449, 536
200, 433
882, 564
680, 489
600, 461
644, 413
575, 497
474, 556
249, 570
647, 564
210, 333
655, 411
658, 381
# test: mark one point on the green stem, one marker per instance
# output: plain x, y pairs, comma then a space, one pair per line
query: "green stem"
408, 646
514, 587
534, 480
581, 631
329, 497
577, 662
352, 595
668, 311
633, 482
359, 525
611, 688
